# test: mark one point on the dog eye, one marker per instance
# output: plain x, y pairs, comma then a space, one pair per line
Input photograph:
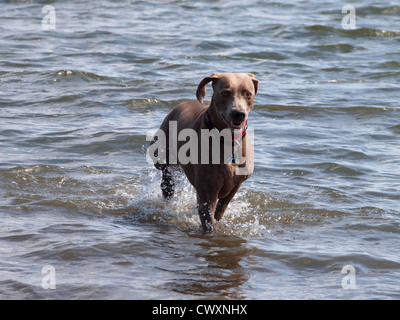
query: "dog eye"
225, 93
248, 95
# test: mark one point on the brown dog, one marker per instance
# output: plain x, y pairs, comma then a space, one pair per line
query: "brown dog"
215, 176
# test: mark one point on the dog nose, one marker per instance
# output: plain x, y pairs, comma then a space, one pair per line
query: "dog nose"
238, 116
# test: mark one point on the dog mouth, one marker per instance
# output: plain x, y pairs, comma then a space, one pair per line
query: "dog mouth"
234, 125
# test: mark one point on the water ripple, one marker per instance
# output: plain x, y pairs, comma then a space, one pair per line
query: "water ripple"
76, 191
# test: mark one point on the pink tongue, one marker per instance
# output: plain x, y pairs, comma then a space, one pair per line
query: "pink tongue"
235, 126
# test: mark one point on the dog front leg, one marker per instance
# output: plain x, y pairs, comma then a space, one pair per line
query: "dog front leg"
206, 213
222, 204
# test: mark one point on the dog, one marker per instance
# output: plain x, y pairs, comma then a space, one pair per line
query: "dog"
215, 173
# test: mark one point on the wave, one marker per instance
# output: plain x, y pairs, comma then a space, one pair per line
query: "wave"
76, 75
137, 199
395, 128
339, 47
375, 10
360, 32
344, 110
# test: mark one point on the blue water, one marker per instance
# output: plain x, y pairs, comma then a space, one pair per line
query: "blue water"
76, 191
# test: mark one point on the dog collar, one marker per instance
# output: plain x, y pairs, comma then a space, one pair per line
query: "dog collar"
236, 141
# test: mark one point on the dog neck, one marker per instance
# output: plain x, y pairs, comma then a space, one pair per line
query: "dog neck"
238, 142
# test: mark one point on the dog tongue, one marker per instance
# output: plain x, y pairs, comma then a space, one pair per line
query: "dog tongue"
235, 126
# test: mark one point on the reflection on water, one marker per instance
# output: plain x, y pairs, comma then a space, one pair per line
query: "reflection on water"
222, 272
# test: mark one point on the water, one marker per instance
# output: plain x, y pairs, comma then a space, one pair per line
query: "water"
77, 101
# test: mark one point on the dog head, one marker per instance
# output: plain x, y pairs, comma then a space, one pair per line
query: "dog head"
233, 97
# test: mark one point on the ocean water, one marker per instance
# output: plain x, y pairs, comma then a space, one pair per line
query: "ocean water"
81, 211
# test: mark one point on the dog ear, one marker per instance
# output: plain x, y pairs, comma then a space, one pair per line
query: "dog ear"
255, 82
201, 89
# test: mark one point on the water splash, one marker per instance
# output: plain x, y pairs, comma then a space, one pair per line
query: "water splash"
181, 211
